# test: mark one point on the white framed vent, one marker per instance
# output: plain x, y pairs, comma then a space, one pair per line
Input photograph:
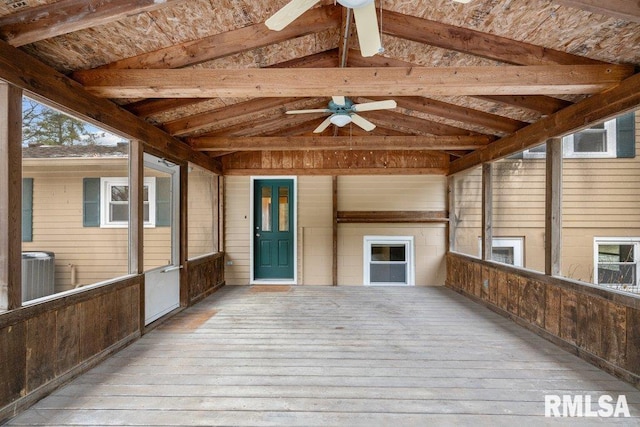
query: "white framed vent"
388, 261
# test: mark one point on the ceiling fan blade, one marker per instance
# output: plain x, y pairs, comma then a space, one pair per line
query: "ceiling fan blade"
362, 122
377, 105
325, 124
368, 33
319, 110
338, 100
289, 13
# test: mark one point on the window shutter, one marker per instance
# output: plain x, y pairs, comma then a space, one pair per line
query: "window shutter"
626, 136
27, 209
91, 202
163, 202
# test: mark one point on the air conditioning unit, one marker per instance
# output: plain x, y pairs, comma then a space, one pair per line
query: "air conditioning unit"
38, 274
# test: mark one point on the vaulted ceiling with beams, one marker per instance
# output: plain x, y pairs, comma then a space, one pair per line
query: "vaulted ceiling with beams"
211, 74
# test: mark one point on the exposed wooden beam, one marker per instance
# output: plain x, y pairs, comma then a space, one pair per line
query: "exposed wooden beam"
476, 43
66, 16
298, 143
602, 106
539, 103
231, 113
622, 9
542, 104
415, 125
458, 113
231, 42
326, 59
149, 107
310, 82
267, 124
29, 74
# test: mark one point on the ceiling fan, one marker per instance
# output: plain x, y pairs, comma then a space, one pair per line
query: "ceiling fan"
363, 10
343, 111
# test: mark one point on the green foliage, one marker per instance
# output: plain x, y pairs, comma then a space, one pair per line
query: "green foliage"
42, 125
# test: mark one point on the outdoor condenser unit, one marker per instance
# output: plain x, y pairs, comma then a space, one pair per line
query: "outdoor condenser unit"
38, 274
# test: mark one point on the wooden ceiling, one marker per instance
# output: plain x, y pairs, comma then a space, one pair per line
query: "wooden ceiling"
210, 73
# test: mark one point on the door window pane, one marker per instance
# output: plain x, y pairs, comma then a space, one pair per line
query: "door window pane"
266, 208
283, 209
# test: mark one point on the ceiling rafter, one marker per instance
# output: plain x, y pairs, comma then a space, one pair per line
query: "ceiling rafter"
476, 43
220, 116
340, 142
621, 9
457, 113
415, 125
66, 16
231, 42
540, 103
311, 82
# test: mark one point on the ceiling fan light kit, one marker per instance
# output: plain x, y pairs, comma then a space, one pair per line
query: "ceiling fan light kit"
354, 4
340, 119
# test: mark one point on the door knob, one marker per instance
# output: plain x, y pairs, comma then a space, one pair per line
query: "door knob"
257, 234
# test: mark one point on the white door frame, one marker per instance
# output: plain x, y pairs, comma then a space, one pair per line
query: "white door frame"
252, 279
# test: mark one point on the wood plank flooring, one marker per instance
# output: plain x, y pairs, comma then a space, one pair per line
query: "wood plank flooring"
327, 356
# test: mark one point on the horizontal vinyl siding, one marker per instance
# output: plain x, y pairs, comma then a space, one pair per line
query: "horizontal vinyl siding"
237, 222
201, 199
315, 230
391, 193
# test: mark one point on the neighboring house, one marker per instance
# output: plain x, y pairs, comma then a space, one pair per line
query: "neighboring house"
75, 205
600, 214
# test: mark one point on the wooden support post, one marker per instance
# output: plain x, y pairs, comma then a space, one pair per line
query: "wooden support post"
183, 252
553, 203
487, 199
450, 203
10, 197
335, 232
221, 215
136, 219
216, 213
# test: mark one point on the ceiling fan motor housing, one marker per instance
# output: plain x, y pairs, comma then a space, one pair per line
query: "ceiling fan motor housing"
341, 109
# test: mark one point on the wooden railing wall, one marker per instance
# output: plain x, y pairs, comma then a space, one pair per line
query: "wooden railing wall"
46, 344
599, 325
205, 276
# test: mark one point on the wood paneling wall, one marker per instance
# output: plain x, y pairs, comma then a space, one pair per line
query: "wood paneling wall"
43, 345
600, 326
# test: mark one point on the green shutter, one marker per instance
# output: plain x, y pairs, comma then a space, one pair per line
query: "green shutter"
163, 202
91, 201
27, 209
626, 136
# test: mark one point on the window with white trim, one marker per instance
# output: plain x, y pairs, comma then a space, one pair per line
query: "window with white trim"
598, 141
616, 261
388, 260
114, 211
506, 250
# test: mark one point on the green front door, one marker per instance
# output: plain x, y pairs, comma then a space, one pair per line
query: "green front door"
273, 228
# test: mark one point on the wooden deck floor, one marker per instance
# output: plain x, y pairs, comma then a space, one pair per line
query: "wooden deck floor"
322, 356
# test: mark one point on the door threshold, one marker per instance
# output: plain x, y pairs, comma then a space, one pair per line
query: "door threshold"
273, 282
